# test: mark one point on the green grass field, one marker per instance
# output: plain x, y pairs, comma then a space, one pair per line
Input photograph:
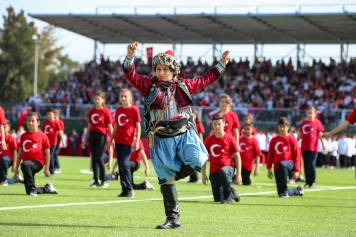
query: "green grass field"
78, 210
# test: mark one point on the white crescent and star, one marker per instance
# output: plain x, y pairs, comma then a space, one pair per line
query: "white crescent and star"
93, 118
119, 119
276, 147
24, 145
242, 144
46, 127
305, 127
212, 150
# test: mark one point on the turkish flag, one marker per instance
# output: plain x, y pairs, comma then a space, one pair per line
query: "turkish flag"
149, 52
22, 116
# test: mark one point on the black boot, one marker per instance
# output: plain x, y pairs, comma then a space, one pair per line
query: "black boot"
170, 200
185, 171
193, 178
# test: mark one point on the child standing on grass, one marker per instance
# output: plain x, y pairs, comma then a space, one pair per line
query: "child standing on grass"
99, 124
310, 131
2, 128
250, 153
284, 155
176, 150
127, 125
34, 152
7, 158
221, 147
52, 129
135, 160
193, 178
58, 118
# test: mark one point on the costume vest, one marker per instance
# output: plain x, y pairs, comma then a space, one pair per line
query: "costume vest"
182, 90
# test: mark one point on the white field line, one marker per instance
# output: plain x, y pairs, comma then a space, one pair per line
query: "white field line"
158, 199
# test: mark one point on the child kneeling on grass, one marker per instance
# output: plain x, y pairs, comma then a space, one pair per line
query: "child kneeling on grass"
221, 147
284, 154
34, 153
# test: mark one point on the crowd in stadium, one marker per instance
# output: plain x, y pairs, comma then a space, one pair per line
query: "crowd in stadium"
325, 86
261, 84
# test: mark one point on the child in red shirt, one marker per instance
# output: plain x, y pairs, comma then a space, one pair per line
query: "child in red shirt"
232, 123
58, 118
284, 155
99, 124
193, 178
34, 153
249, 152
310, 131
7, 157
221, 147
127, 125
52, 129
135, 160
248, 120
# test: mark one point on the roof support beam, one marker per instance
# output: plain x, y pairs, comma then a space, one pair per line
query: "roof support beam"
146, 29
321, 28
275, 29
188, 29
105, 29
223, 25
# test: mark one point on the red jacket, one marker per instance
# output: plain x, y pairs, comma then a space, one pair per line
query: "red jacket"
143, 84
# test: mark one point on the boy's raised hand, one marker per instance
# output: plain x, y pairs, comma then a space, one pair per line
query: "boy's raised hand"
225, 58
131, 49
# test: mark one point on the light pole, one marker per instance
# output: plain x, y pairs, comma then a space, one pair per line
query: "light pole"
36, 39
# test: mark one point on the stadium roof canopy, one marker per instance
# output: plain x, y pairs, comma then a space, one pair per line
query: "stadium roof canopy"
212, 27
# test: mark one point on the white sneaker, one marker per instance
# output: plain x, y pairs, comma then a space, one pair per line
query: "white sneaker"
18, 178
104, 184
58, 171
149, 186
51, 189
4, 183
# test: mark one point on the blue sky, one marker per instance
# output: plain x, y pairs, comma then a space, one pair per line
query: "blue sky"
82, 49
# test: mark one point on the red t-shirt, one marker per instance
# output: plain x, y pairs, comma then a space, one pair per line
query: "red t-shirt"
33, 146
51, 128
11, 146
2, 117
352, 117
249, 149
220, 151
135, 155
99, 120
200, 127
283, 148
231, 122
309, 131
254, 132
126, 120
